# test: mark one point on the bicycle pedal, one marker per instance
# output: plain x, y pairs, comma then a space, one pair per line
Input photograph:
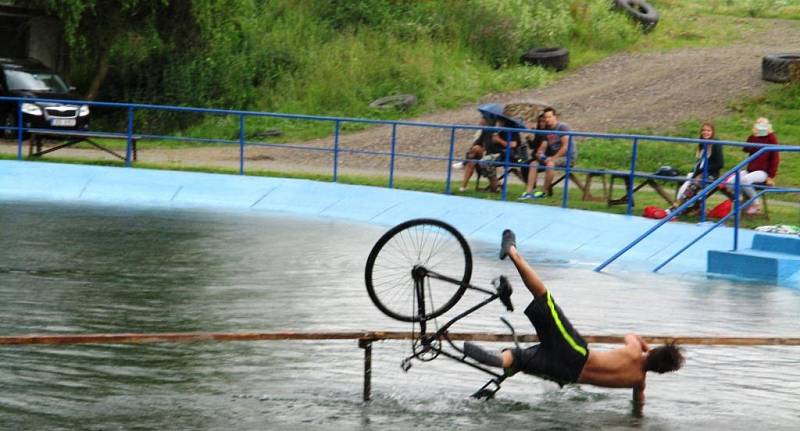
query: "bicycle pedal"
405, 365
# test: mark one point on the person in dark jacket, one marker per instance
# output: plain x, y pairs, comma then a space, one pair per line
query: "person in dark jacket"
761, 170
694, 180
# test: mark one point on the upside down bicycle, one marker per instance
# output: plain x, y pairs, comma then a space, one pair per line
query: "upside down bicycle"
416, 272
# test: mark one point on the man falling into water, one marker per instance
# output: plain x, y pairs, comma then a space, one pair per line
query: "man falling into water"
563, 356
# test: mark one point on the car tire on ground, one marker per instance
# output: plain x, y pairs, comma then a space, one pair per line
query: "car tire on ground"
554, 58
641, 11
401, 102
780, 67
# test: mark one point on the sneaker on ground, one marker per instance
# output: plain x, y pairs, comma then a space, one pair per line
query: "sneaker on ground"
458, 165
509, 239
538, 195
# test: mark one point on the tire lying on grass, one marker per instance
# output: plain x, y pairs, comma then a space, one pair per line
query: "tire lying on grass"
781, 67
641, 12
401, 102
554, 58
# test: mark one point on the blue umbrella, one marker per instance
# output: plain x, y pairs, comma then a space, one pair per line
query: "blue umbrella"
493, 111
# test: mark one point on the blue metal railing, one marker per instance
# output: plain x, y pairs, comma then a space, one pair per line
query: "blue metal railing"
336, 149
701, 195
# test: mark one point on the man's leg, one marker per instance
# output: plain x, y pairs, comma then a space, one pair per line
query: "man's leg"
533, 172
508, 247
548, 177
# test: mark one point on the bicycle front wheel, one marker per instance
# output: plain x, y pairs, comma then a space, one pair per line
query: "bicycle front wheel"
420, 243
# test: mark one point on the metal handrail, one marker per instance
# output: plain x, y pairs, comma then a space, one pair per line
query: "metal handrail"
702, 194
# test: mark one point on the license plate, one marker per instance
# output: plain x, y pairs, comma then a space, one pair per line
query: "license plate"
62, 122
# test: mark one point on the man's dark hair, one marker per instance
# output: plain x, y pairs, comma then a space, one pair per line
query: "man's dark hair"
664, 359
549, 109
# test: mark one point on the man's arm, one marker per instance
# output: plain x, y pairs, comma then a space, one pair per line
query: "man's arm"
638, 398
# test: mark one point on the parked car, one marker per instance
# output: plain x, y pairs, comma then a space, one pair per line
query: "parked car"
26, 77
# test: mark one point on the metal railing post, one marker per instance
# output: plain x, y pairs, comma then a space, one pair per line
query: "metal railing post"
632, 176
129, 144
450, 156
567, 173
506, 161
736, 215
19, 129
392, 155
336, 151
241, 144
705, 179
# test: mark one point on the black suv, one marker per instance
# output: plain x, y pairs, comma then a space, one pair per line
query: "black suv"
26, 77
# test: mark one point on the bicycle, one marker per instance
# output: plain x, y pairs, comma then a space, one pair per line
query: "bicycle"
415, 266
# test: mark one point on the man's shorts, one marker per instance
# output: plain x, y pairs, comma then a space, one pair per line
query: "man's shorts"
487, 166
561, 352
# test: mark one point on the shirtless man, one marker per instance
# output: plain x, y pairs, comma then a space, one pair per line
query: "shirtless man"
563, 356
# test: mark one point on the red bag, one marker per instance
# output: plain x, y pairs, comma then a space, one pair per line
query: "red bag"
721, 210
654, 212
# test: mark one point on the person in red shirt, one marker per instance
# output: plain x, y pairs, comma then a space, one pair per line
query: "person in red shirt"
761, 170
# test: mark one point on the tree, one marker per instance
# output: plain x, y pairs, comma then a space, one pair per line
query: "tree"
93, 28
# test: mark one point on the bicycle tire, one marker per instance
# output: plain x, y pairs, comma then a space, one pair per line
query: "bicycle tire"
414, 242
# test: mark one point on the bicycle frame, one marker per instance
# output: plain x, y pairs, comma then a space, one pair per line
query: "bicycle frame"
431, 343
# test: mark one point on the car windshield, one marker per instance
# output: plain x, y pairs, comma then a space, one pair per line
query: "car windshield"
35, 81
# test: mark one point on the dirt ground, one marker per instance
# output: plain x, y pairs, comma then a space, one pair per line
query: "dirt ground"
627, 90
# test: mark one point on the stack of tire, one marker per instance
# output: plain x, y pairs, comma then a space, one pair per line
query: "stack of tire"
781, 67
640, 11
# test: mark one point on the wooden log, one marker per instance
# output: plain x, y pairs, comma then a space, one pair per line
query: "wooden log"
187, 337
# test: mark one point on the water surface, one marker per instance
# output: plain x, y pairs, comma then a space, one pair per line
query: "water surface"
75, 269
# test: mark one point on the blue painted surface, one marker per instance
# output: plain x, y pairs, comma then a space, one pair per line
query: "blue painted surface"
778, 243
582, 236
754, 264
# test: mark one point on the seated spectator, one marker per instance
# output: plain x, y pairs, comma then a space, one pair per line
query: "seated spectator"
519, 149
483, 140
694, 180
552, 152
761, 170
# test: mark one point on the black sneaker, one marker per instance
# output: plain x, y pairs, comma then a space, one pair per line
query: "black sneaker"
509, 239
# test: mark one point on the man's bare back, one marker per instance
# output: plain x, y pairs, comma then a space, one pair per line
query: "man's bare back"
623, 367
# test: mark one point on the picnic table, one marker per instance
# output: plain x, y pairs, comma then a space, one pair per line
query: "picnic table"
73, 137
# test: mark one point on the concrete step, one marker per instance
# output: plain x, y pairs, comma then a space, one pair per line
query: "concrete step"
754, 264
779, 243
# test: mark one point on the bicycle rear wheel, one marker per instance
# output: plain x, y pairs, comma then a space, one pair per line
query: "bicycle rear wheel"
419, 243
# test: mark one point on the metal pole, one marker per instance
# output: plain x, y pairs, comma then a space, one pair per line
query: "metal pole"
450, 159
391, 156
736, 214
705, 179
367, 346
19, 130
336, 151
506, 161
632, 176
129, 145
241, 144
567, 173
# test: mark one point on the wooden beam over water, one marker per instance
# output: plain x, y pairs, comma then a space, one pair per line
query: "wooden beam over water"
188, 337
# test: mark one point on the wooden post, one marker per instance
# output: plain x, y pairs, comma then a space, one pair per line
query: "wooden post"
366, 344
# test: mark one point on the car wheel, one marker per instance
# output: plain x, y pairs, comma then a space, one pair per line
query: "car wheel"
641, 12
554, 58
400, 102
781, 67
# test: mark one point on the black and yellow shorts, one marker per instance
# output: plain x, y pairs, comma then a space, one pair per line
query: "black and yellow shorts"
561, 352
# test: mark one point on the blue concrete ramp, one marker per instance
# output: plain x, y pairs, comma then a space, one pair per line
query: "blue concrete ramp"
773, 258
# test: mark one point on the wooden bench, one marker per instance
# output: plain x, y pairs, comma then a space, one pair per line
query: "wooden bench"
75, 137
647, 180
